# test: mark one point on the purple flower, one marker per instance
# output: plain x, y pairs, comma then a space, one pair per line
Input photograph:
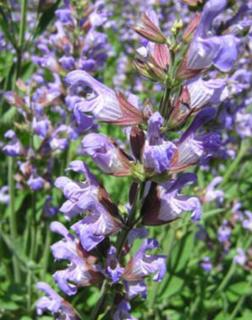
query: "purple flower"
106, 154
54, 304
49, 210
224, 232
41, 127
93, 229
35, 182
240, 257
67, 62
203, 92
122, 311
81, 270
4, 195
113, 268
192, 147
14, 147
158, 153
142, 265
91, 96
243, 124
65, 16
79, 194
204, 51
211, 193
206, 264
247, 222
83, 122
165, 204
59, 139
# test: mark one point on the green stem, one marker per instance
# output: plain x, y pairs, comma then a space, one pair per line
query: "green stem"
21, 38
33, 228
46, 253
99, 306
12, 218
32, 250
22, 26
237, 307
226, 279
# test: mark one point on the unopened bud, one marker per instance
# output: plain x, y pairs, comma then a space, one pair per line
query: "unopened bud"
178, 24
187, 36
149, 30
137, 140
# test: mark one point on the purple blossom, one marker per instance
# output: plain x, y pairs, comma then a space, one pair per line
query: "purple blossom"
106, 154
224, 232
247, 222
158, 154
14, 147
41, 127
113, 268
81, 270
164, 203
240, 258
67, 62
142, 265
122, 311
243, 124
4, 195
92, 96
211, 193
192, 146
35, 182
79, 195
65, 16
204, 51
54, 304
48, 209
206, 264
204, 92
93, 229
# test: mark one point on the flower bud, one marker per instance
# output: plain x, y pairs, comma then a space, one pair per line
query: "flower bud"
150, 30
137, 139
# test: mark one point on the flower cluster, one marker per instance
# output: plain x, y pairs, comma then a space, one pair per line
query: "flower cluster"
46, 118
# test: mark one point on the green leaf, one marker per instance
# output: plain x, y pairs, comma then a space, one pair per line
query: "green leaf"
240, 288
46, 18
221, 316
181, 254
247, 315
175, 285
235, 291
8, 305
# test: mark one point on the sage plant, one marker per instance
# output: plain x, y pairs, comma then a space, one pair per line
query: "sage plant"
164, 141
